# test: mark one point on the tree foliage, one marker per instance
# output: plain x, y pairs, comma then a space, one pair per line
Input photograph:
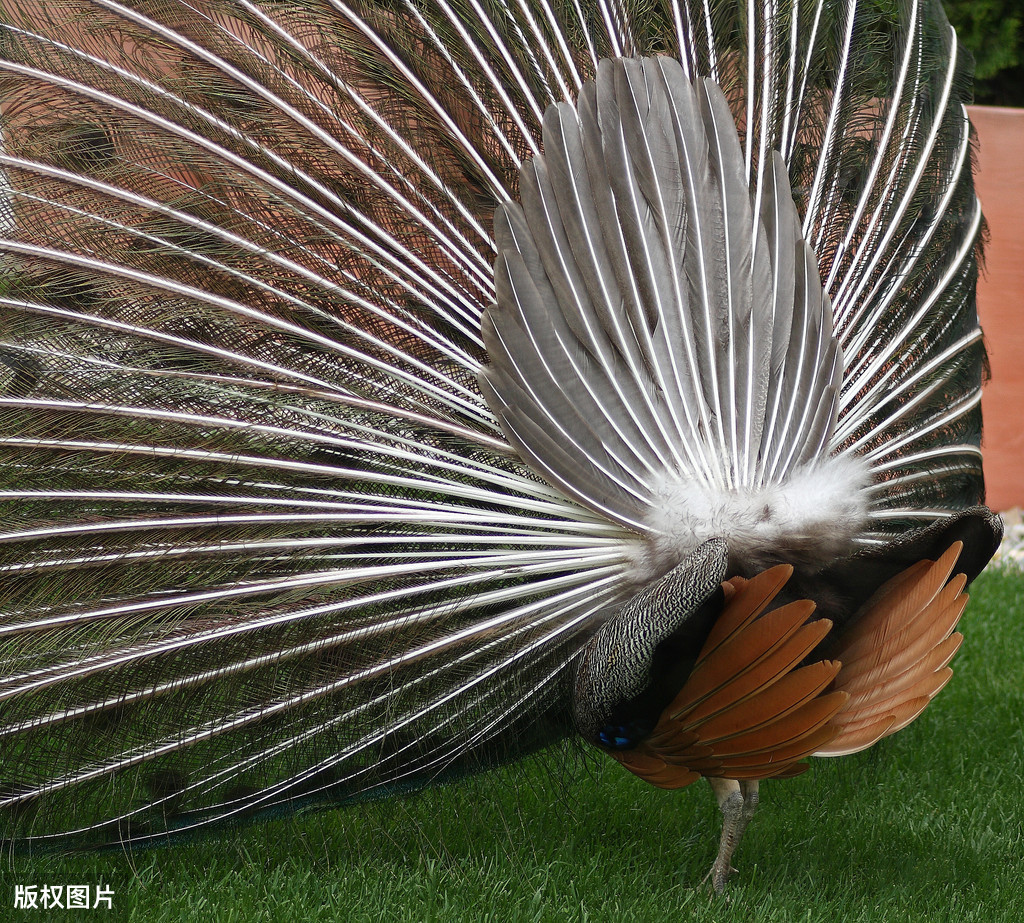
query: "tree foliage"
993, 30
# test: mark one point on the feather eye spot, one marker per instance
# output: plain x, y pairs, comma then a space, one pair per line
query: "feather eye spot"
167, 789
19, 374
90, 149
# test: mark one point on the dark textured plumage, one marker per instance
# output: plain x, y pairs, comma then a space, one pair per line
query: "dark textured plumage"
387, 389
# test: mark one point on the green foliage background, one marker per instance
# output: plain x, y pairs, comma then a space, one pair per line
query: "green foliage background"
993, 30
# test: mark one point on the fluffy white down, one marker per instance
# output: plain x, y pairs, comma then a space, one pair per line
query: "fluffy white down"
808, 520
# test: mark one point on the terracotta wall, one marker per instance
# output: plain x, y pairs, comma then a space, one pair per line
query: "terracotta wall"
1000, 183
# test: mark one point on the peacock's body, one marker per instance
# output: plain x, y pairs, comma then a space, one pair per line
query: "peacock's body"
390, 388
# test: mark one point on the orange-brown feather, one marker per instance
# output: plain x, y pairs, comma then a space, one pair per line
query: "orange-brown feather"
741, 652
748, 710
746, 599
895, 654
778, 697
784, 731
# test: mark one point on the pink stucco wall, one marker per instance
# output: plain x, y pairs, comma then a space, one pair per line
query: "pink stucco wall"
1000, 184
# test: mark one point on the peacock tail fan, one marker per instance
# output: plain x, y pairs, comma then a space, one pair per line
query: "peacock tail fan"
266, 543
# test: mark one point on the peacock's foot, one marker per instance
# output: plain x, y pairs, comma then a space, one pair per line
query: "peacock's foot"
737, 802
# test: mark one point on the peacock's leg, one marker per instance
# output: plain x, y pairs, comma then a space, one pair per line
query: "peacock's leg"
737, 802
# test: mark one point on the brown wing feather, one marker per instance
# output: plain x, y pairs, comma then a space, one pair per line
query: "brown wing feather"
746, 599
767, 666
749, 710
857, 736
776, 698
747, 707
862, 674
787, 754
895, 654
740, 652
785, 731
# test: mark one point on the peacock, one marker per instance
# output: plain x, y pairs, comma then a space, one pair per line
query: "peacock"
392, 388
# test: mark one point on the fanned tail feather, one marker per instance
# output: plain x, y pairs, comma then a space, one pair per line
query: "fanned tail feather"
267, 541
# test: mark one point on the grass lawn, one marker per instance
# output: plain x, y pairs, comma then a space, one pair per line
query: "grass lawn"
927, 826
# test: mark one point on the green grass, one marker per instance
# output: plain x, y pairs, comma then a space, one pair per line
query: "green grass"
925, 827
